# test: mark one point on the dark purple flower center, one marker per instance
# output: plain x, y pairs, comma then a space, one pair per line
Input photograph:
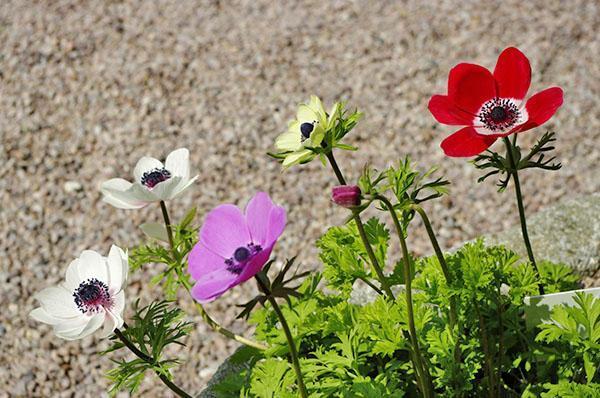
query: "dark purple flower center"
499, 114
306, 129
153, 177
241, 256
91, 295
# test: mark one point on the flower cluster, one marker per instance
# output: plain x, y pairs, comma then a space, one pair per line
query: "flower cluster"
392, 346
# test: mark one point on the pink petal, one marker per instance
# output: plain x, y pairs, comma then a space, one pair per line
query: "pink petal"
202, 261
266, 221
224, 230
212, 286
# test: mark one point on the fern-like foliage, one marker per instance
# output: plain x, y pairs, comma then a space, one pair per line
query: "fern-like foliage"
153, 328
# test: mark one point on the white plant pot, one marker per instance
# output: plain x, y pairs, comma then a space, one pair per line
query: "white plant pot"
539, 308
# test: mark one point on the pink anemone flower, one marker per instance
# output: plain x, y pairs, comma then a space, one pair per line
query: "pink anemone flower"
491, 105
234, 246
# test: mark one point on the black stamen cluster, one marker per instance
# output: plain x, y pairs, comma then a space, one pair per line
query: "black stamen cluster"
153, 177
499, 114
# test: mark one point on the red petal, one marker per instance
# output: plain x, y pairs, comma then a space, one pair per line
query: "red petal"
544, 104
512, 74
444, 111
466, 142
469, 86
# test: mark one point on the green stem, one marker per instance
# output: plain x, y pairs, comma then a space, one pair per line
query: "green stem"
361, 230
148, 359
446, 271
409, 301
486, 352
288, 335
500, 343
441, 260
207, 318
515, 174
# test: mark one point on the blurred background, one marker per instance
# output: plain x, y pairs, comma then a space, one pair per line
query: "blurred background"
88, 87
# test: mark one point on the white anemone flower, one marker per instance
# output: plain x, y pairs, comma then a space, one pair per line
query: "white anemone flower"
91, 296
153, 182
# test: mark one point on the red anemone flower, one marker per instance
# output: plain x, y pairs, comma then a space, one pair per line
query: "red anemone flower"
491, 105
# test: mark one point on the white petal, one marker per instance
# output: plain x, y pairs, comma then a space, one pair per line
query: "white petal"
77, 331
166, 190
155, 230
116, 193
141, 193
184, 186
118, 304
145, 164
178, 163
111, 322
41, 315
92, 265
72, 279
117, 268
72, 328
58, 302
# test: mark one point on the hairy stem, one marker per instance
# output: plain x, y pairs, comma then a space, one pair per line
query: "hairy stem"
515, 174
148, 359
361, 230
409, 301
289, 337
207, 318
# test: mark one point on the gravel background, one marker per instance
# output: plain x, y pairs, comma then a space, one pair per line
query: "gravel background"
88, 87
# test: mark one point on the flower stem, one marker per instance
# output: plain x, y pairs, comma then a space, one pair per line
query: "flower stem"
207, 318
148, 359
441, 260
486, 351
288, 335
515, 175
426, 382
361, 230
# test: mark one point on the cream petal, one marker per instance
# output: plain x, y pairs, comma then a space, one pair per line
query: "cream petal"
290, 140
178, 163
316, 105
92, 265
58, 302
306, 114
145, 164
166, 190
295, 157
117, 263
